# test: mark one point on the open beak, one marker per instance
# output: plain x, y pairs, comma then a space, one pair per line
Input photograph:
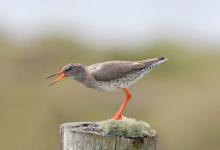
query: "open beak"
61, 76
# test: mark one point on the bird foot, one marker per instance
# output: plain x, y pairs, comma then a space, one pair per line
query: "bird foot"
117, 116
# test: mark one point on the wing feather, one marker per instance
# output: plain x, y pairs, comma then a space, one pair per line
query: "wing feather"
112, 70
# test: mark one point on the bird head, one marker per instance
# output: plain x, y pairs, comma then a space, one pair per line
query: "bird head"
67, 71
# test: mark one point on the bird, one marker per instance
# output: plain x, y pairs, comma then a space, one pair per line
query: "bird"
109, 76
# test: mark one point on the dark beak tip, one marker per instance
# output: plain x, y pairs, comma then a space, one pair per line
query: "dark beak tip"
50, 85
49, 77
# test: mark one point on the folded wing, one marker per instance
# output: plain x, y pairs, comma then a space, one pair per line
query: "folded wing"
113, 70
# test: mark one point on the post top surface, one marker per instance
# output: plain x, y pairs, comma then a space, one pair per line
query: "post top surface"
128, 128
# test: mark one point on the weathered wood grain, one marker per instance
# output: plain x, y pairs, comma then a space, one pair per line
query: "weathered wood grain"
84, 136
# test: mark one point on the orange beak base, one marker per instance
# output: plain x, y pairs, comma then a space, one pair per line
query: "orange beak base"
61, 77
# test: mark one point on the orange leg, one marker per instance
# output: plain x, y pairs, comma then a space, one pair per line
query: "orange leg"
118, 115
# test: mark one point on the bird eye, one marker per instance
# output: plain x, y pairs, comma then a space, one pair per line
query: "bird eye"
68, 69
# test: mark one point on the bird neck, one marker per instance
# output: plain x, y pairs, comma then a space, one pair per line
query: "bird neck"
80, 73
83, 76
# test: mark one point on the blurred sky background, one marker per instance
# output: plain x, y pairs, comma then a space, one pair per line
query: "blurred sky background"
98, 21
180, 99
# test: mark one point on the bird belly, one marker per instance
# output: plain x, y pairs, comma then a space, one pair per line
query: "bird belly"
123, 82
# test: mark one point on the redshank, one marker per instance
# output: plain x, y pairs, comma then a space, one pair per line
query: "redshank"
108, 76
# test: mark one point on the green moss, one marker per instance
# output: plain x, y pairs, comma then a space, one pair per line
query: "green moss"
126, 127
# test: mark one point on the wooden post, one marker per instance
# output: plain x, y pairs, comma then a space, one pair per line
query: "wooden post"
83, 136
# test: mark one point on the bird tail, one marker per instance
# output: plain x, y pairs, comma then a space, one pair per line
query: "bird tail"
149, 62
